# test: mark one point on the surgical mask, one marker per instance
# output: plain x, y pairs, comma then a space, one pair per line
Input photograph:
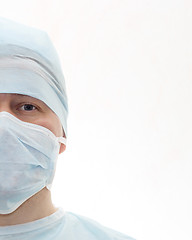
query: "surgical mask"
28, 156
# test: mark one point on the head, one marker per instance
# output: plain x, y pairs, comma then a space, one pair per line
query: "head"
32, 89
30, 72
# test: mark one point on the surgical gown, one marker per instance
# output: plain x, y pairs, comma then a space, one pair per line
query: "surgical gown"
61, 225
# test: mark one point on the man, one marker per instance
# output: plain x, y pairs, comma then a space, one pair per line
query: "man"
33, 131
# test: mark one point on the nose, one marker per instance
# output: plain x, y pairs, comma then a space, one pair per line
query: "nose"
5, 107
7, 103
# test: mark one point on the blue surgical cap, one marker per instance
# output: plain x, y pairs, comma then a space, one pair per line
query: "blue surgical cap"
29, 65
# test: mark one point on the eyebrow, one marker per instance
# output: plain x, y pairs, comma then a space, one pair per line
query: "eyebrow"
19, 96
24, 96
38, 101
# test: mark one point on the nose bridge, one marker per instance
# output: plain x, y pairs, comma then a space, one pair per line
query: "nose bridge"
5, 105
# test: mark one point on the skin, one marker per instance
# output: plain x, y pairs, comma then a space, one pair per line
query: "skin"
40, 205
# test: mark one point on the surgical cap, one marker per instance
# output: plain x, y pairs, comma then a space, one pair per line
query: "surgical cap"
29, 65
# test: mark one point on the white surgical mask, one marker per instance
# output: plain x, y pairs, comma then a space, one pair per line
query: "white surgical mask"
28, 156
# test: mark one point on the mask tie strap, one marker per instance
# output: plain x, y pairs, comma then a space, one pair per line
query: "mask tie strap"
62, 140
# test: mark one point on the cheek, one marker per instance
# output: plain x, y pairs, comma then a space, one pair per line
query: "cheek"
50, 121
52, 125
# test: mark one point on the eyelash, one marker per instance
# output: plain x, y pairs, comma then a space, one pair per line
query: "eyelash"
30, 105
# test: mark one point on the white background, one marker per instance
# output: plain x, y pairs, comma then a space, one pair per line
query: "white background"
128, 69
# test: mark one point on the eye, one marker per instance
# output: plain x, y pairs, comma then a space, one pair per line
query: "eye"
28, 107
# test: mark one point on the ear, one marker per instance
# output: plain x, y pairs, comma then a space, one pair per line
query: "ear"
62, 148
